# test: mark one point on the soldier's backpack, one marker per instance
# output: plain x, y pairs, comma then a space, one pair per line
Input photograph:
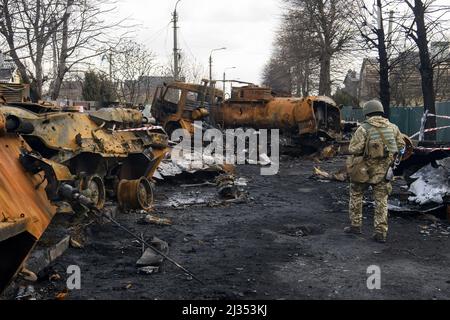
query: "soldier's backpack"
381, 142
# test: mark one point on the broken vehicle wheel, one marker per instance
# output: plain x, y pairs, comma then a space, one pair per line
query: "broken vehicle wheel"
94, 188
135, 194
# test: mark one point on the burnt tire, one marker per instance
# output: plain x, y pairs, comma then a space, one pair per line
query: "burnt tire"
94, 188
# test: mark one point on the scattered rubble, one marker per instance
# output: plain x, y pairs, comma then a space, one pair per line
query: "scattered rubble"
151, 219
28, 275
75, 244
150, 258
340, 175
110, 158
329, 152
227, 187
435, 229
148, 270
43, 257
431, 183
27, 293
62, 295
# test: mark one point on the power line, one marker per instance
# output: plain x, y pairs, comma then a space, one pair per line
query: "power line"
157, 34
188, 47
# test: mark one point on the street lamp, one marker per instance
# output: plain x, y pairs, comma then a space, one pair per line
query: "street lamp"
210, 61
224, 78
175, 43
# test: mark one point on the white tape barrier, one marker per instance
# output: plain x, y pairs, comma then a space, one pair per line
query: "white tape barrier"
429, 130
437, 116
140, 129
433, 129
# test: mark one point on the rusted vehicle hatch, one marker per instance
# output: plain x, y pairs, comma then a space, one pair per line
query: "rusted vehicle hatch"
25, 210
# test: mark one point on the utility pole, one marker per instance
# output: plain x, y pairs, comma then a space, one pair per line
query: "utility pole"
224, 78
176, 69
391, 22
210, 67
110, 65
210, 61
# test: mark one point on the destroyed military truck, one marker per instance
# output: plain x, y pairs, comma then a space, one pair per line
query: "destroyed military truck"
310, 121
178, 105
100, 153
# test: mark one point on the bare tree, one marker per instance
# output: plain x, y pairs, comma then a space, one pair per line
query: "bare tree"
83, 35
27, 26
333, 34
277, 75
295, 58
423, 26
193, 71
298, 50
371, 26
75, 29
133, 66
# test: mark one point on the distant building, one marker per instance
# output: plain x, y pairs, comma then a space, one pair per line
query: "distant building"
369, 85
71, 90
141, 91
405, 78
440, 51
8, 70
351, 83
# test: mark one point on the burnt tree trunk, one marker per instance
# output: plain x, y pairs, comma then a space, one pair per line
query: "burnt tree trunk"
385, 87
325, 74
426, 67
62, 63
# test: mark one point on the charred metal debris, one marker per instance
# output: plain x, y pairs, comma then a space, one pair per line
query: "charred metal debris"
98, 164
69, 162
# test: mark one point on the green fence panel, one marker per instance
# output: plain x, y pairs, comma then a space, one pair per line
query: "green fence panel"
408, 119
352, 114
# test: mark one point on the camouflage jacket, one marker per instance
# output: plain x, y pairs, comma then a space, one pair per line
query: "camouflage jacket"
377, 167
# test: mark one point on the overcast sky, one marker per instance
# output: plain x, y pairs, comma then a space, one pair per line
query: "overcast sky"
245, 27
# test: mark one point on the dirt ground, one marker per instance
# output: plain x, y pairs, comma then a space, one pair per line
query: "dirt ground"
285, 243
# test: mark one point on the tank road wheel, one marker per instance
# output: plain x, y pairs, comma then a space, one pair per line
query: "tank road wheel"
94, 188
135, 194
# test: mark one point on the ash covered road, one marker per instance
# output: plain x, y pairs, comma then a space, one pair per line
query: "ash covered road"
286, 243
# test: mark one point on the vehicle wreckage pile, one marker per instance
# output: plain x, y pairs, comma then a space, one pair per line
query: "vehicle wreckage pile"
55, 161
66, 161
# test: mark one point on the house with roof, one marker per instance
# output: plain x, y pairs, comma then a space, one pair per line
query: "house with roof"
8, 70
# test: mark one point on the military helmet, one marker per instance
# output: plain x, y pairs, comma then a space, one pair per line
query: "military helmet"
372, 107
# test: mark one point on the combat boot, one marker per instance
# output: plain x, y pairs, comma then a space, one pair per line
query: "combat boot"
353, 230
379, 237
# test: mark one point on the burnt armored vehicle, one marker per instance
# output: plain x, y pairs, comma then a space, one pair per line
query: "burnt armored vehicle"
306, 121
105, 153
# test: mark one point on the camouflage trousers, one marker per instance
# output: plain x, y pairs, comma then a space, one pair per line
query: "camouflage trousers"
381, 192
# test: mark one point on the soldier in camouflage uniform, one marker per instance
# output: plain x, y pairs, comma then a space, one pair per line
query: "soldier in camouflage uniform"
378, 129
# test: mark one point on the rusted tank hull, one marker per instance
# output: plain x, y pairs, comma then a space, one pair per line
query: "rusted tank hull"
101, 147
25, 209
313, 115
42, 150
